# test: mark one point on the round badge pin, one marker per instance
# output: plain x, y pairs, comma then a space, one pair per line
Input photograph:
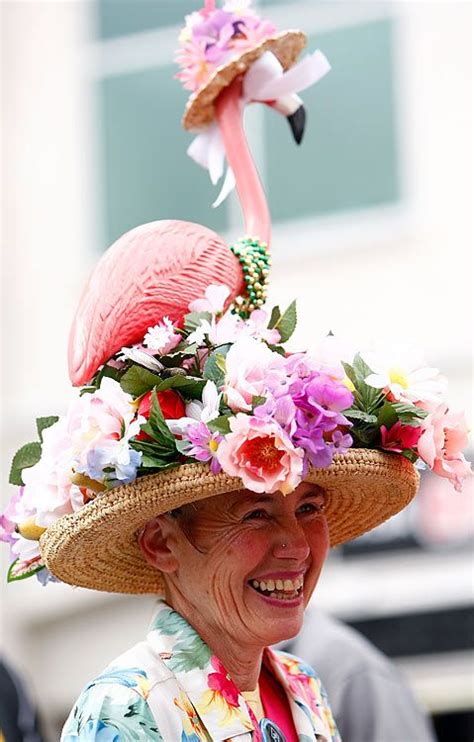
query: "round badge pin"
271, 732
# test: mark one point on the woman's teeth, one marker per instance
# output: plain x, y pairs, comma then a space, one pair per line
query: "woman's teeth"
282, 589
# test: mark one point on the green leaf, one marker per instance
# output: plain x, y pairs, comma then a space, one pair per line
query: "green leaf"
17, 572
45, 422
157, 428
193, 320
189, 386
274, 317
138, 380
407, 412
214, 368
354, 414
220, 424
27, 456
257, 401
361, 369
387, 415
350, 373
287, 323
410, 455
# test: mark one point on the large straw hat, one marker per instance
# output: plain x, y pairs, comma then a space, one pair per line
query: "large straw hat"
97, 546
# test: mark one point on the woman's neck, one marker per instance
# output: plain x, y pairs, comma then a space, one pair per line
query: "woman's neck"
242, 661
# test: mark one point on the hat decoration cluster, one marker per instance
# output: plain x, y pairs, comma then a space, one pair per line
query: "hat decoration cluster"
221, 389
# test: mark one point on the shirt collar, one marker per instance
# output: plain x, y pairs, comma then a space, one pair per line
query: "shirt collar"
214, 696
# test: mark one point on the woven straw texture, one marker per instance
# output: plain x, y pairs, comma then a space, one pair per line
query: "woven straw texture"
97, 546
286, 46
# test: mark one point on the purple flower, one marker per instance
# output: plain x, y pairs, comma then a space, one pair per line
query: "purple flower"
202, 445
216, 31
319, 401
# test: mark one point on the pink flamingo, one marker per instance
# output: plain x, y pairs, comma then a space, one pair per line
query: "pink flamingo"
156, 269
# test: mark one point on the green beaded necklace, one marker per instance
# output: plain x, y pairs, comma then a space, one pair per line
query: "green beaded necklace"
255, 260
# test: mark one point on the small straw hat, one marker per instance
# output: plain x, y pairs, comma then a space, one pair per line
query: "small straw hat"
97, 546
199, 111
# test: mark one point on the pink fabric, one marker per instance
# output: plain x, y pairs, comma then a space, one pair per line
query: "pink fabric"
275, 705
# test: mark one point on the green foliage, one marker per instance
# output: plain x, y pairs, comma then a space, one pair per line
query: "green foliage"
16, 572
188, 386
285, 323
27, 456
157, 428
366, 397
138, 380
214, 368
220, 424
45, 422
193, 320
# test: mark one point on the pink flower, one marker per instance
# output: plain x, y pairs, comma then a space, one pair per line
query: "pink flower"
261, 454
49, 492
444, 435
221, 682
195, 69
399, 437
248, 364
213, 301
256, 327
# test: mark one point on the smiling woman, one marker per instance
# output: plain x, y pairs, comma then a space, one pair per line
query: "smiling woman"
201, 461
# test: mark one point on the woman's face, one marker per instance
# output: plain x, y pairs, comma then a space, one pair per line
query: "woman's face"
247, 564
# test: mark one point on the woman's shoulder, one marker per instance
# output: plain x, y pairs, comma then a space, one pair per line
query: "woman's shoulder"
113, 706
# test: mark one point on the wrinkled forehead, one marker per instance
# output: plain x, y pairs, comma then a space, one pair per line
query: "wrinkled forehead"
241, 499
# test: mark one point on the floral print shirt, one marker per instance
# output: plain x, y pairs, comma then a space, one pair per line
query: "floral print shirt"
171, 688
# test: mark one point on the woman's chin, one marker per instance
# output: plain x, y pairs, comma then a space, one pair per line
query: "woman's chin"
281, 616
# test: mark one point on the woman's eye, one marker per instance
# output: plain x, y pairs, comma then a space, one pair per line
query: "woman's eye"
256, 515
311, 507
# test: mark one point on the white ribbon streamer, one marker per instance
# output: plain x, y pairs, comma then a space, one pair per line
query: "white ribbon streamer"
265, 81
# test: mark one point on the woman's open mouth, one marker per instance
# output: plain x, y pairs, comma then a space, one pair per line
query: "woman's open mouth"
279, 589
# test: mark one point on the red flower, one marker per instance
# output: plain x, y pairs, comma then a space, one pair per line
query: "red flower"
399, 437
172, 407
220, 681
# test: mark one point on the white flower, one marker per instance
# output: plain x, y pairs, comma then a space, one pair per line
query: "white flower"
402, 373
213, 301
141, 357
198, 335
197, 411
162, 338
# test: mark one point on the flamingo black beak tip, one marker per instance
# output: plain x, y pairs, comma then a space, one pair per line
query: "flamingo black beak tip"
297, 121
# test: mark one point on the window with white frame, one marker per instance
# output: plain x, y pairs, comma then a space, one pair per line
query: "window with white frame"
348, 160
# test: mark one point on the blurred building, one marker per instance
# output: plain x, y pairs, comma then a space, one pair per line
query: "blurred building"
372, 232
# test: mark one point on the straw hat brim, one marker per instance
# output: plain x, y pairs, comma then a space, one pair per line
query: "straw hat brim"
97, 547
199, 111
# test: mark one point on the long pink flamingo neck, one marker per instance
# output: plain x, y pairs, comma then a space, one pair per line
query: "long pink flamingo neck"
249, 187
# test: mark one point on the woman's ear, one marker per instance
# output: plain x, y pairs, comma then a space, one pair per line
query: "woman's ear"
154, 541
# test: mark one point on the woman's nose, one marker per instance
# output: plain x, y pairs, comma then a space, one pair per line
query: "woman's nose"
291, 543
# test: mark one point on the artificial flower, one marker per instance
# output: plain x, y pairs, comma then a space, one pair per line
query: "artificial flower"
213, 301
443, 436
198, 411
162, 338
248, 363
202, 445
261, 454
399, 437
257, 327
171, 405
403, 375
139, 355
